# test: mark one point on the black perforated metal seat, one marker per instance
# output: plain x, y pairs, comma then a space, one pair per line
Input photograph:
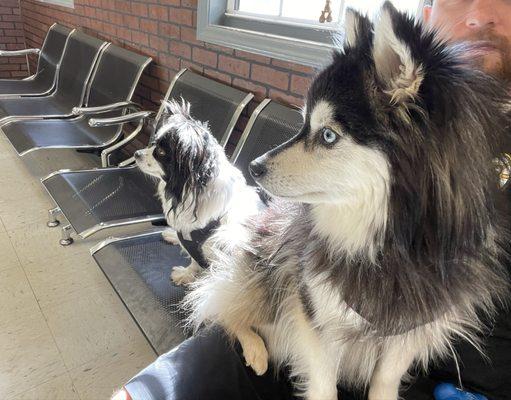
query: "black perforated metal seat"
114, 80
110, 197
81, 53
139, 267
44, 79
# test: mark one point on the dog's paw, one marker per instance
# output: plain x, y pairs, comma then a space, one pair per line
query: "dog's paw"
255, 353
182, 275
170, 236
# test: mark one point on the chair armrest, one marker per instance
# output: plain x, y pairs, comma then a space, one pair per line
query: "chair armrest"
105, 154
16, 53
132, 117
106, 108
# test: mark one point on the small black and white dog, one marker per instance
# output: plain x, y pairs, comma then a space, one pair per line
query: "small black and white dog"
384, 244
200, 190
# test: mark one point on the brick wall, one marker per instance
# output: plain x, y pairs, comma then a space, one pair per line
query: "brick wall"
165, 30
11, 38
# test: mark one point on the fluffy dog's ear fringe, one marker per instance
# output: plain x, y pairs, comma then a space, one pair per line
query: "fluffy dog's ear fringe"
400, 74
173, 107
358, 31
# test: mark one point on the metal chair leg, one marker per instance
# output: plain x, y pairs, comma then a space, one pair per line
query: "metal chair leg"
66, 236
52, 217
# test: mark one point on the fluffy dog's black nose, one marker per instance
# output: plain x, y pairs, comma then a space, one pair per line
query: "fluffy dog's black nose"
257, 168
137, 154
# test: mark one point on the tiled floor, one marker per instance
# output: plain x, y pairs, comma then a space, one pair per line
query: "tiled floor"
64, 334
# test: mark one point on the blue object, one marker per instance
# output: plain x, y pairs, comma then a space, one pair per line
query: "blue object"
447, 391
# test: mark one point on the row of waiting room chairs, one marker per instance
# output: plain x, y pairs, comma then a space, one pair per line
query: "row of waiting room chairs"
137, 266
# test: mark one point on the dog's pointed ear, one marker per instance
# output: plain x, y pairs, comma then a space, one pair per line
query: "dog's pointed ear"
399, 73
358, 29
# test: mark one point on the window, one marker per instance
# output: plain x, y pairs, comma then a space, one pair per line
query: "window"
294, 30
65, 3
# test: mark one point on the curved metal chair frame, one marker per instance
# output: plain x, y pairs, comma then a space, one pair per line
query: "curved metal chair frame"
61, 94
43, 81
22, 134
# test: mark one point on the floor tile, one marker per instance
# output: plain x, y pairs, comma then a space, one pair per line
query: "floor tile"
29, 355
8, 257
60, 388
100, 378
57, 280
92, 324
35, 242
16, 296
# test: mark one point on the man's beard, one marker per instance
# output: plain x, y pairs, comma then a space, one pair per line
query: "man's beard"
500, 69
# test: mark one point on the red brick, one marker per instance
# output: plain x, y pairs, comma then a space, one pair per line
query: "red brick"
180, 49
189, 35
204, 57
141, 38
148, 25
286, 98
159, 12
131, 21
293, 66
168, 30
139, 9
176, 3
270, 76
159, 43
169, 61
181, 16
234, 66
212, 73
258, 90
300, 84
189, 3
252, 57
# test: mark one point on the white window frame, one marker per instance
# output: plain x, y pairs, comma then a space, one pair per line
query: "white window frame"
286, 39
63, 3
232, 11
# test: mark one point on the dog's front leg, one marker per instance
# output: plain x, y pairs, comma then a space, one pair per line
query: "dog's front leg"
254, 350
394, 361
185, 275
315, 361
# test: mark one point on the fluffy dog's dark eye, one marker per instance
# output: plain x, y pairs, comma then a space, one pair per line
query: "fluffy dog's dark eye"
328, 136
160, 151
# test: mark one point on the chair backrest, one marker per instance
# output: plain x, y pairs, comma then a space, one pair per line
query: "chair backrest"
218, 104
115, 76
76, 67
270, 125
51, 52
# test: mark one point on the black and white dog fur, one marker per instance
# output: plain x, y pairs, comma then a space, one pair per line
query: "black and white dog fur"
197, 185
386, 244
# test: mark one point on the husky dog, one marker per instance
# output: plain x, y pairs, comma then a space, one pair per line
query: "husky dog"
199, 189
385, 245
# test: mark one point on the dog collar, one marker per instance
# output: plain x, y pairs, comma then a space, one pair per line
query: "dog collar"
197, 239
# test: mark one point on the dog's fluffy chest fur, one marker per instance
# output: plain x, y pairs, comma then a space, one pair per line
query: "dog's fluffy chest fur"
386, 297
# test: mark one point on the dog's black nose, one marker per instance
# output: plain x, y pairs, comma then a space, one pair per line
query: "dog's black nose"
137, 154
257, 168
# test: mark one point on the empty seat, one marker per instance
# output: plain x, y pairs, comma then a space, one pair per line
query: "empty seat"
113, 83
93, 200
139, 267
78, 61
43, 81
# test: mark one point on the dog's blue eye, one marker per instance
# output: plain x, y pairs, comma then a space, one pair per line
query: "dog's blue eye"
329, 136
